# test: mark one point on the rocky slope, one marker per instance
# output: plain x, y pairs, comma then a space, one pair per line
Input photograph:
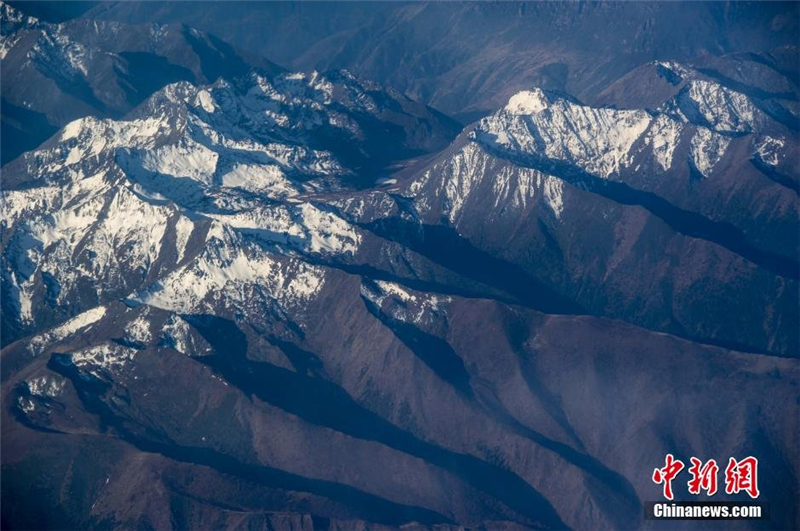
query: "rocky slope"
56, 73
467, 58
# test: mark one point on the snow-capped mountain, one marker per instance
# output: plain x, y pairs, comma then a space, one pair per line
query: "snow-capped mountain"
252, 307
567, 183
56, 73
115, 204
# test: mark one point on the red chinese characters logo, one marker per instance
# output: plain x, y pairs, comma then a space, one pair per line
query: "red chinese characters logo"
665, 475
703, 477
740, 476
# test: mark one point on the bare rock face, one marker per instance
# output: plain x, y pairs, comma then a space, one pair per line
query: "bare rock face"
468, 59
224, 310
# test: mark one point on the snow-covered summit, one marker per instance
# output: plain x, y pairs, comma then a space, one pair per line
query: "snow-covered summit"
106, 207
607, 141
12, 22
538, 124
527, 102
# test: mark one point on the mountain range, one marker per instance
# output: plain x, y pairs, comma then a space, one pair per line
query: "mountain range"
238, 296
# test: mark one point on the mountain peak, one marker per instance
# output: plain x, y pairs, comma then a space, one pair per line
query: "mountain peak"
527, 102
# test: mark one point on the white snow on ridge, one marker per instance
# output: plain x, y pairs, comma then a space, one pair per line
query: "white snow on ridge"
111, 226
597, 140
14, 23
539, 127
81, 321
79, 232
177, 334
68, 225
59, 54
464, 170
708, 148
725, 110
328, 232
418, 307
674, 68
527, 102
664, 136
769, 149
235, 274
19, 203
472, 169
106, 356
300, 225
600, 140
87, 138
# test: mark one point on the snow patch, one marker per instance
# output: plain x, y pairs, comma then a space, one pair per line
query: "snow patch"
411, 307
187, 158
183, 231
46, 386
205, 101
664, 136
527, 102
138, 330
267, 179
106, 356
708, 148
769, 149
596, 140
554, 195
81, 321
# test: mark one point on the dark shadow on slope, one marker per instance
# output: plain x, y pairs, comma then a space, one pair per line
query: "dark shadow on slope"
495, 289
615, 495
517, 331
683, 221
22, 130
325, 404
791, 75
55, 11
779, 113
303, 361
146, 73
90, 390
372, 273
748, 90
444, 246
774, 175
74, 84
217, 58
433, 351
